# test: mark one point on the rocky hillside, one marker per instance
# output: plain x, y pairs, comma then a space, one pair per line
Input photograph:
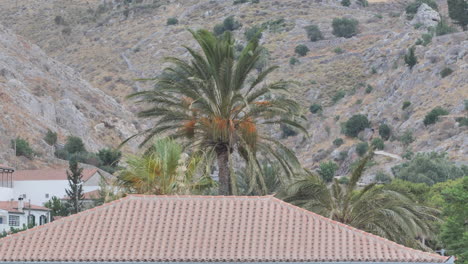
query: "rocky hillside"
111, 43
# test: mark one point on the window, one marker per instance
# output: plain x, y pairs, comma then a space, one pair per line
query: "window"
1, 220
13, 220
42, 220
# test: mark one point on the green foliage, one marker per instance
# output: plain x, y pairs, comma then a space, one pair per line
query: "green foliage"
313, 33
343, 180
345, 2
172, 21
429, 168
74, 145
405, 105
110, 157
57, 207
356, 124
253, 32
444, 28
50, 137
378, 143
85, 157
382, 177
362, 148
426, 38
345, 27
433, 116
410, 57
301, 50
338, 50
327, 170
407, 138
363, 3
446, 72
338, 96
22, 148
75, 182
458, 11
59, 20
369, 89
236, 2
276, 25
315, 108
293, 61
408, 155
338, 142
412, 8
229, 24
359, 101
385, 131
287, 131
462, 120
454, 230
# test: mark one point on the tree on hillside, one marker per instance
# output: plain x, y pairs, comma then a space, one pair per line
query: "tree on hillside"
458, 11
57, 207
74, 145
208, 102
75, 182
374, 209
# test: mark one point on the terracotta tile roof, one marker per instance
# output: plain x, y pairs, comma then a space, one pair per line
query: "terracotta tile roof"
2, 166
48, 174
12, 206
202, 229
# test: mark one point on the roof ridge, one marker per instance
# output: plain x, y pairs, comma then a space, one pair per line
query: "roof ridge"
355, 230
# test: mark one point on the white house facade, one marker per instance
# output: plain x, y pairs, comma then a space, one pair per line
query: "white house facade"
18, 215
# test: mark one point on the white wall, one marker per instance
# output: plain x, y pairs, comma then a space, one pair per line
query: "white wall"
6, 194
36, 190
23, 218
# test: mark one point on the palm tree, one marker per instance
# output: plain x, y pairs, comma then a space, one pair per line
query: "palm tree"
163, 169
210, 103
374, 209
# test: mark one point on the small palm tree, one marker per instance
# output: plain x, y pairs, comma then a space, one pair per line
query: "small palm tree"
374, 209
208, 102
163, 169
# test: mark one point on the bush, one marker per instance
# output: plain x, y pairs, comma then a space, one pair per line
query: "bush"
362, 148
315, 108
345, 2
363, 3
301, 50
50, 137
407, 138
406, 104
338, 142
426, 39
327, 170
236, 2
229, 24
253, 32
345, 27
343, 180
313, 33
433, 116
74, 145
369, 89
412, 8
287, 131
218, 29
382, 178
443, 28
22, 148
385, 131
378, 143
458, 11
446, 72
293, 61
109, 157
338, 96
172, 21
463, 121
59, 20
429, 168
356, 124
86, 157
338, 50
410, 57
343, 155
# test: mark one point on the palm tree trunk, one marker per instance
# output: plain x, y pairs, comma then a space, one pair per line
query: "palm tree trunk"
224, 173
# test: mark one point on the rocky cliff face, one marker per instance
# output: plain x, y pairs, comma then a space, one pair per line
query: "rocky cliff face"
38, 93
110, 44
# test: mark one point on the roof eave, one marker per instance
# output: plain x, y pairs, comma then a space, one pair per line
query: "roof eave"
450, 260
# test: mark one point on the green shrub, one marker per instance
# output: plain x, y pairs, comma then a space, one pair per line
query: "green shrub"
59, 20
356, 124
22, 148
229, 24
253, 32
433, 116
236, 2
466, 105
172, 21
407, 138
87, 158
410, 57
301, 50
443, 28
313, 33
429, 168
345, 27
462, 120
315, 108
62, 154
343, 155
406, 104
338, 96
359, 101
338, 50
338, 142
293, 61
382, 178
408, 155
446, 72
50, 137
109, 157
426, 39
363, 3
343, 180
378, 143
369, 89
74, 145
67, 31
412, 8
218, 29
458, 12
327, 170
345, 2
287, 131
385, 131
418, 42
362, 148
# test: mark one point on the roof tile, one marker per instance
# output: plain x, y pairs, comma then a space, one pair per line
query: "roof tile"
49, 174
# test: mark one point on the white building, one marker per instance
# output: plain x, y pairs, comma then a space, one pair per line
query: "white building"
39, 186
17, 214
